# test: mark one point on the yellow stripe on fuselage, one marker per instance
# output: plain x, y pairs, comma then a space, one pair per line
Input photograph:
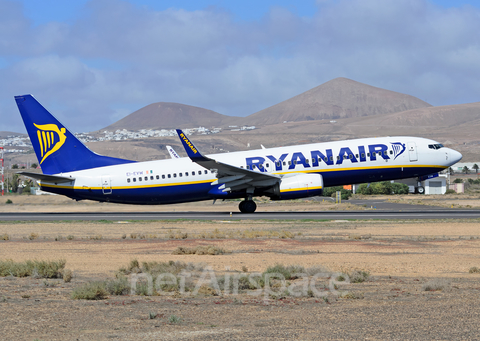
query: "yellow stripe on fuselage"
130, 187
301, 189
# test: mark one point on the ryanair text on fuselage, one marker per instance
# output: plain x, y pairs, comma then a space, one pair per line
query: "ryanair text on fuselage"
345, 154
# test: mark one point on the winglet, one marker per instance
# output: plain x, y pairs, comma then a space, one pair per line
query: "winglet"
192, 151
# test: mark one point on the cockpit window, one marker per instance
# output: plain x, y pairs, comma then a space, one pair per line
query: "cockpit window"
435, 146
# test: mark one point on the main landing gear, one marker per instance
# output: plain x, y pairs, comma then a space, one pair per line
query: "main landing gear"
247, 206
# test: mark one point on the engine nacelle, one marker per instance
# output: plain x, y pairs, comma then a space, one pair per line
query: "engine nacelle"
298, 186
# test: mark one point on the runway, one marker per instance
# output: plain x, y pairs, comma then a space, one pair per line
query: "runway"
434, 213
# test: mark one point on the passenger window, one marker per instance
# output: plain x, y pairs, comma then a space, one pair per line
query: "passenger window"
169, 176
163, 176
134, 179
128, 180
391, 152
325, 159
368, 154
284, 163
186, 173
174, 175
289, 163
356, 156
151, 177
385, 153
267, 165
331, 158
146, 178
307, 161
193, 173
140, 179
278, 164
206, 172
180, 174
351, 156
363, 155
158, 177
295, 162
338, 157
344, 157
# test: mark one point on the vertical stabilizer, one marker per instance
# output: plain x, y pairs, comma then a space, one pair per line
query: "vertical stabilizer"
57, 149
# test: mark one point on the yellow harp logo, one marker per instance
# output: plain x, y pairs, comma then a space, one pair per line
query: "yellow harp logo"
50, 139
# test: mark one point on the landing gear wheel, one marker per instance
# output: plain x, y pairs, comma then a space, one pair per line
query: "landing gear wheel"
247, 206
420, 190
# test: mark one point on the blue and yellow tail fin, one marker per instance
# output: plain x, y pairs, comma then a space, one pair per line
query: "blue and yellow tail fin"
57, 149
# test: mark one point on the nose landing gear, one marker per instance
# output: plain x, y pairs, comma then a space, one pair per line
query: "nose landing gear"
247, 206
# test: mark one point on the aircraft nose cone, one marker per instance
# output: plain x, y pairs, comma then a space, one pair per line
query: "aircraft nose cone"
454, 156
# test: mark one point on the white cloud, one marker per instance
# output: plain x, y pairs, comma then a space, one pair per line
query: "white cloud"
118, 55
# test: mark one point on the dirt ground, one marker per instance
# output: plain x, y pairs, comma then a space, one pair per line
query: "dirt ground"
402, 258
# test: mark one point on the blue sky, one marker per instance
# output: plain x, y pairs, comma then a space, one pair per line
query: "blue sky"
94, 62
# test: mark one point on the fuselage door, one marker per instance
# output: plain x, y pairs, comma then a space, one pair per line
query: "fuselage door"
412, 151
106, 184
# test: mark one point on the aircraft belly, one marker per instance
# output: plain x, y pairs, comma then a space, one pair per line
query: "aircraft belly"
149, 195
357, 176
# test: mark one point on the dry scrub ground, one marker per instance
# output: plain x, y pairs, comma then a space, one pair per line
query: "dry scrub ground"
401, 257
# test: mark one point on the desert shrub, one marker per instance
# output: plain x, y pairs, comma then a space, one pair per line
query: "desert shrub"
287, 271
199, 250
176, 235
457, 181
90, 291
70, 237
384, 187
474, 270
358, 276
156, 268
242, 280
4, 236
33, 236
40, 269
9, 201
174, 319
450, 191
117, 286
67, 275
435, 285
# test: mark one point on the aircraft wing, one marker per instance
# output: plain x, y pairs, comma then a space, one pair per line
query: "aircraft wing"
47, 178
234, 178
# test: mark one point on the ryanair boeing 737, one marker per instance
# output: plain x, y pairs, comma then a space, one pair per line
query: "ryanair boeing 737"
71, 169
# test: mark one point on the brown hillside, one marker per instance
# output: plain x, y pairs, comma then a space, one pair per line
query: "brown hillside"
165, 115
336, 99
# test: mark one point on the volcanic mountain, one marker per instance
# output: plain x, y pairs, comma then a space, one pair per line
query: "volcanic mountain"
166, 115
336, 99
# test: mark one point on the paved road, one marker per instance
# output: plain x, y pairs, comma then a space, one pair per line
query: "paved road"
329, 215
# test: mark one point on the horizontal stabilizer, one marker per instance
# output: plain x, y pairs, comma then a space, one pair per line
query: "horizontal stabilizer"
47, 178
